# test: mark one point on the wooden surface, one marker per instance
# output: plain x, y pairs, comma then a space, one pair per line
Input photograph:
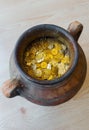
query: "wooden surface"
15, 17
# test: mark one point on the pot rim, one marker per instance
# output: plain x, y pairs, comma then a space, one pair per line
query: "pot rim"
57, 80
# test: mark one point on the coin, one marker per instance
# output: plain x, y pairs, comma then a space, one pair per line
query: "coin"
43, 65
50, 77
53, 62
54, 51
38, 72
46, 59
66, 60
39, 57
46, 73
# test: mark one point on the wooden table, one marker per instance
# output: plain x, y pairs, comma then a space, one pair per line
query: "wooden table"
15, 17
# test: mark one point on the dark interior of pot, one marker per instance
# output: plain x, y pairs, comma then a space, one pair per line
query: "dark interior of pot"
46, 31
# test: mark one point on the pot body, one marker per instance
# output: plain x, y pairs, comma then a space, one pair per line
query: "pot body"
55, 93
47, 92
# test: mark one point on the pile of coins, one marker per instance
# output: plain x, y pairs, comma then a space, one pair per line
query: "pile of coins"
46, 59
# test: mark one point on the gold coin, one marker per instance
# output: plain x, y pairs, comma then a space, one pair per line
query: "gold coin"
49, 66
58, 46
32, 56
43, 65
40, 57
53, 62
29, 63
54, 51
61, 69
44, 45
46, 73
33, 66
66, 60
38, 65
38, 72
50, 77
63, 47
50, 46
48, 57
57, 57
30, 72
61, 55
54, 71
33, 50
47, 51
27, 59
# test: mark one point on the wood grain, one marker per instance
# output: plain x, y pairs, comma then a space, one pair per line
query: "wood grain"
15, 17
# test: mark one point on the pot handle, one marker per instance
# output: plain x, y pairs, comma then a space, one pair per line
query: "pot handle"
12, 88
75, 28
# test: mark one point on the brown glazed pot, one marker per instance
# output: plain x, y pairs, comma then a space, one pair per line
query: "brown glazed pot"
45, 92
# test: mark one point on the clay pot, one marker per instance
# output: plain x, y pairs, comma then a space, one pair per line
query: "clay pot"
44, 92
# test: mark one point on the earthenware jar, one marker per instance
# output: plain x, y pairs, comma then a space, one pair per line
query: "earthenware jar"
46, 92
